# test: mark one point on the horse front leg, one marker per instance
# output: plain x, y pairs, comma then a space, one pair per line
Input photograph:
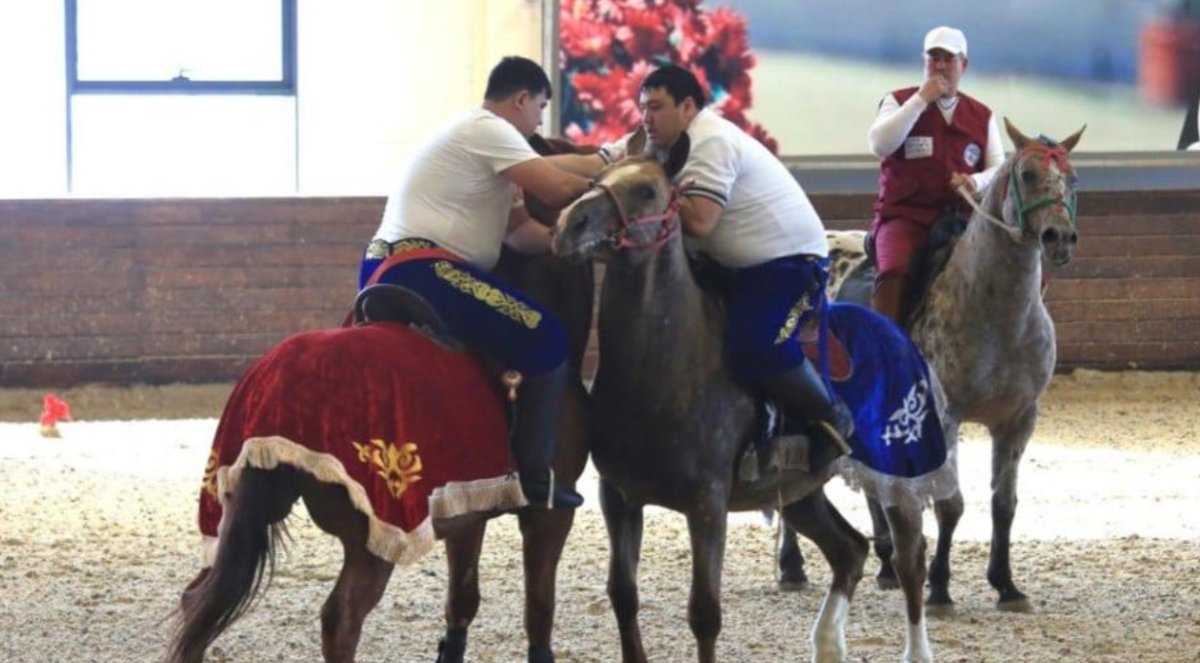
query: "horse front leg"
886, 578
845, 549
706, 528
908, 560
543, 533
625, 524
463, 546
1008, 445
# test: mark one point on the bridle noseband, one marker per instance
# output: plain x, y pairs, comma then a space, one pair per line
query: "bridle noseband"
1058, 155
1049, 152
620, 238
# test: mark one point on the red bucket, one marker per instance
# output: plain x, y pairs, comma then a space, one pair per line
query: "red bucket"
1169, 68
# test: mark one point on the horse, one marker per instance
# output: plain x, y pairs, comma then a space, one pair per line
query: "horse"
254, 509
669, 421
982, 322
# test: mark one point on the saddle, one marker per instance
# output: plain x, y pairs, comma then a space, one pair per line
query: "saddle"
387, 302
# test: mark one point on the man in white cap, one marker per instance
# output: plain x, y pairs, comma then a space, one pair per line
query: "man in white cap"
932, 140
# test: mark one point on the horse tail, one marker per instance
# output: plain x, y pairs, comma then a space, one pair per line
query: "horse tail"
245, 557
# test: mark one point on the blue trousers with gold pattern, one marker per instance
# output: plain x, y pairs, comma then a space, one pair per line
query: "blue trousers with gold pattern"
768, 304
485, 313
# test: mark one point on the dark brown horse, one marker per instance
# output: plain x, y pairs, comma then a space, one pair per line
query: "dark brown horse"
985, 328
263, 498
669, 421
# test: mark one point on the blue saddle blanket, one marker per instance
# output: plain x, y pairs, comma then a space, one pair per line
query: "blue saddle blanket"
898, 431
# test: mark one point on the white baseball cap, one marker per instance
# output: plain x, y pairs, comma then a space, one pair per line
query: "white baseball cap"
947, 39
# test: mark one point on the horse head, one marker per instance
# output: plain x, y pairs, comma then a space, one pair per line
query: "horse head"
632, 208
1038, 187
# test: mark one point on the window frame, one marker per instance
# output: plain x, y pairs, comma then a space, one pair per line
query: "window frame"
285, 85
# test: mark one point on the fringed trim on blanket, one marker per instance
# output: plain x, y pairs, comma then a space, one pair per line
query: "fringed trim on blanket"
384, 540
915, 492
461, 497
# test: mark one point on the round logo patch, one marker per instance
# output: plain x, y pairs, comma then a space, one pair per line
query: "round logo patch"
971, 154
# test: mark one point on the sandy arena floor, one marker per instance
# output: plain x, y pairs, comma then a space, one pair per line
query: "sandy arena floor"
97, 539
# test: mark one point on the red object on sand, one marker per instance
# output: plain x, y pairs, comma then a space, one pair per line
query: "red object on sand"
54, 409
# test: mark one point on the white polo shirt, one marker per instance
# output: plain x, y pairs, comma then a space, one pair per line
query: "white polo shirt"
766, 213
453, 193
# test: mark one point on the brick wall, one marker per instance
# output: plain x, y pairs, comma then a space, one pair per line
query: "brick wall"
191, 290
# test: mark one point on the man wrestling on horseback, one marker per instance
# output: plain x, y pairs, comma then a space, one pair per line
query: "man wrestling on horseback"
441, 235
742, 208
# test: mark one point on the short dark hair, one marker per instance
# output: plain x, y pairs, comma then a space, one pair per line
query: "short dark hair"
516, 74
680, 83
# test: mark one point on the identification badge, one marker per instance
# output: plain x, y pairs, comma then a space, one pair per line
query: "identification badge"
918, 147
971, 155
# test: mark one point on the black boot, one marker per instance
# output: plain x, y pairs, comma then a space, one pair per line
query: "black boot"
535, 433
801, 392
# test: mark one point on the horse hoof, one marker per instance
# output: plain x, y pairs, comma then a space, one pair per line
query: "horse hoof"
1020, 604
540, 654
793, 585
940, 610
887, 582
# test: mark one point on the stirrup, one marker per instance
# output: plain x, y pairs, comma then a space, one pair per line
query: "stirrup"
836, 436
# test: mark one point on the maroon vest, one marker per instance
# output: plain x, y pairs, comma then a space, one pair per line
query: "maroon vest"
918, 189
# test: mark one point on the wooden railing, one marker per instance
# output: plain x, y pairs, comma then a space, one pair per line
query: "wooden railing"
191, 290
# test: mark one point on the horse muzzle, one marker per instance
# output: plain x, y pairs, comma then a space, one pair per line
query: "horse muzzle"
1059, 244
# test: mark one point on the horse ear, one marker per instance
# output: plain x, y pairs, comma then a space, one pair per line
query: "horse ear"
678, 155
637, 142
1019, 139
1071, 141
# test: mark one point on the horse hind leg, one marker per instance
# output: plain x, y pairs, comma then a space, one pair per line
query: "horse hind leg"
543, 533
948, 513
792, 577
1008, 445
363, 577
250, 537
846, 550
908, 560
625, 526
886, 578
464, 544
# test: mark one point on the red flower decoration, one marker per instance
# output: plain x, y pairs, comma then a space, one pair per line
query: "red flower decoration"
610, 46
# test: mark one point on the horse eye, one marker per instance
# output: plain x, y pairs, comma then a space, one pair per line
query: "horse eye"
644, 191
1028, 176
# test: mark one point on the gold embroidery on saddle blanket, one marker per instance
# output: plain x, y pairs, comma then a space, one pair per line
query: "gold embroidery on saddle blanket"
399, 466
210, 473
501, 301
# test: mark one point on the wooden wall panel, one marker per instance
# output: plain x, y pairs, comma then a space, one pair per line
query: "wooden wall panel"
192, 290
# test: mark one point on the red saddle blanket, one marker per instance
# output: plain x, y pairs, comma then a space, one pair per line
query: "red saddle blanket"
412, 430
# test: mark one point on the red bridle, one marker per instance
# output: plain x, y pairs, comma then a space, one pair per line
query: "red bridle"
666, 231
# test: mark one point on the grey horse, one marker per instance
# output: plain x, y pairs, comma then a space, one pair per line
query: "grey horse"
985, 328
669, 421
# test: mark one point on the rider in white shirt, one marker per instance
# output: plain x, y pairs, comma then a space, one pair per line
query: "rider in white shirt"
441, 234
744, 210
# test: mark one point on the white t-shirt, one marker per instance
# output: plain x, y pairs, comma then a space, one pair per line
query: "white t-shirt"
453, 193
766, 213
